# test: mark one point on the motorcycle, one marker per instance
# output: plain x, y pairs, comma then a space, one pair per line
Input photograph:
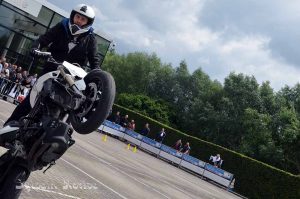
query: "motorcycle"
62, 101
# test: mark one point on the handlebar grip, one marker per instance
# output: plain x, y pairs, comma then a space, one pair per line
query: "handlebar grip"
41, 54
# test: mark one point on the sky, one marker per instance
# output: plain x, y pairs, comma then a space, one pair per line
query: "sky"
259, 38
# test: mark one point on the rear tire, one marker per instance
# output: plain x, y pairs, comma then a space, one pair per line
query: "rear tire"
12, 185
100, 93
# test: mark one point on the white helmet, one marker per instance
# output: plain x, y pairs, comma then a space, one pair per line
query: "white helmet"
86, 11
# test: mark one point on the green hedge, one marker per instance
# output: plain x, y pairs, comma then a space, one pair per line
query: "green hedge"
254, 179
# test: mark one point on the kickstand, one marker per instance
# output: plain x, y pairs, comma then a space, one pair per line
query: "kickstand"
50, 165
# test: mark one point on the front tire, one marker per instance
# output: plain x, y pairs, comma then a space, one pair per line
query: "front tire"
100, 93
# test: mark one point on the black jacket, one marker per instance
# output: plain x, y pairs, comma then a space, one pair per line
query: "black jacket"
57, 40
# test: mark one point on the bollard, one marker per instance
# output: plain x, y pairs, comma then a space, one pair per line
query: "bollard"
128, 146
134, 150
104, 138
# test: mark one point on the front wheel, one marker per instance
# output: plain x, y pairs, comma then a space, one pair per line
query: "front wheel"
100, 94
14, 182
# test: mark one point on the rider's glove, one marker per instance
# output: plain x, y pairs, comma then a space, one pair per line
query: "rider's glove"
37, 53
34, 52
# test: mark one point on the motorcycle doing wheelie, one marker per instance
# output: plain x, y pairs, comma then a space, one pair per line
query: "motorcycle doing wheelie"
62, 101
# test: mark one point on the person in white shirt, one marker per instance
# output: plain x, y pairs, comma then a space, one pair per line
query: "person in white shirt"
217, 161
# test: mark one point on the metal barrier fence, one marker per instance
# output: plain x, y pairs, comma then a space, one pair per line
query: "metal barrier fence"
12, 91
193, 164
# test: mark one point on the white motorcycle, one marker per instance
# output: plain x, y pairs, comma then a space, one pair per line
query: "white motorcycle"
62, 101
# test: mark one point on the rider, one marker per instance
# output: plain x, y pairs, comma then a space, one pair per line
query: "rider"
70, 40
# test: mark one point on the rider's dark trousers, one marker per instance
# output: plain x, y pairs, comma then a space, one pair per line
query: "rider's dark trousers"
21, 110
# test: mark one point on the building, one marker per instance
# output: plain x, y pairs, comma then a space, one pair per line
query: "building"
22, 21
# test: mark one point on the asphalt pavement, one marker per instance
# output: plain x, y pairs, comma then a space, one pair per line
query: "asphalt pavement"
96, 169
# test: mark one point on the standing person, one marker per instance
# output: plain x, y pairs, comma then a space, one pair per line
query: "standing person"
71, 40
186, 149
178, 145
146, 130
19, 69
124, 121
24, 74
131, 125
12, 79
217, 161
116, 118
5, 71
5, 77
160, 135
2, 61
33, 79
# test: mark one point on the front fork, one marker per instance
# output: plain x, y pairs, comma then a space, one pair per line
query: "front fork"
70, 81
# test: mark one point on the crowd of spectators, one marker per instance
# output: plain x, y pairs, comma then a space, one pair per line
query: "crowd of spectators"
159, 137
123, 121
14, 80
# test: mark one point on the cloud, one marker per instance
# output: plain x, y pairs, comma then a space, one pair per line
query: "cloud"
259, 38
275, 19
250, 55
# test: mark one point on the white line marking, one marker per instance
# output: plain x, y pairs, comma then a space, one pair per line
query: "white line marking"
174, 186
49, 191
125, 173
94, 179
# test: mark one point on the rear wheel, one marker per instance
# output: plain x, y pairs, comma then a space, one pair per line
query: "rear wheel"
100, 93
13, 183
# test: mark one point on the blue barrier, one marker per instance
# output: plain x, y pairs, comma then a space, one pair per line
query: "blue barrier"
113, 125
218, 171
216, 174
193, 160
134, 134
151, 142
171, 151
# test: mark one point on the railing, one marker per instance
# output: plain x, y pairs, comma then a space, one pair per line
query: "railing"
12, 91
184, 161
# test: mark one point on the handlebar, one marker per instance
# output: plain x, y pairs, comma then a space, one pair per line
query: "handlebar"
67, 77
44, 55
41, 54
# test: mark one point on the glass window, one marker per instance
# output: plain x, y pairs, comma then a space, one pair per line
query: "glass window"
4, 35
14, 8
20, 44
15, 47
19, 23
103, 45
44, 16
57, 18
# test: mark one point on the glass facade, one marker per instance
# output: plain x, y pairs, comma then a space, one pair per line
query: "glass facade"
19, 29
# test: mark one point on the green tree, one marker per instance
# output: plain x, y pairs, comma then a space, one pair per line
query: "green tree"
241, 92
287, 135
162, 82
201, 118
132, 72
268, 98
257, 139
156, 109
